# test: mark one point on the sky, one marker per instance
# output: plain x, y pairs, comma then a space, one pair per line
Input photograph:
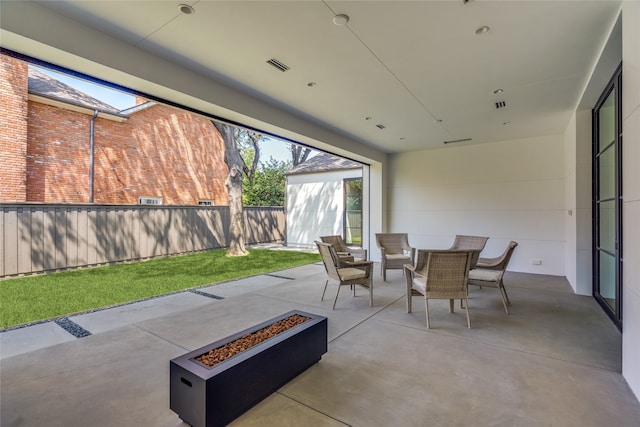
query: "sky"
275, 148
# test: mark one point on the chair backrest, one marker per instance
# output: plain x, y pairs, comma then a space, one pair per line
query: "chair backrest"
446, 270
329, 258
393, 243
503, 260
473, 243
338, 243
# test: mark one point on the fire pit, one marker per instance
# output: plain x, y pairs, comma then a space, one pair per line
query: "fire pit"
212, 386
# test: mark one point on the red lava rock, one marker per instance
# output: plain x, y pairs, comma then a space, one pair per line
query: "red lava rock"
217, 355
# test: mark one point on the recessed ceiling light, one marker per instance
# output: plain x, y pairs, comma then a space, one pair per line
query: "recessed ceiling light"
498, 91
186, 9
506, 123
437, 120
481, 30
402, 138
311, 84
368, 118
341, 19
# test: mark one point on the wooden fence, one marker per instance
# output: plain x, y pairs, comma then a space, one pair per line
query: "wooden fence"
38, 238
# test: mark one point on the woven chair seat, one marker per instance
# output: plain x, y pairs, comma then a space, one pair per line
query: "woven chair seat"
483, 275
398, 257
419, 283
351, 273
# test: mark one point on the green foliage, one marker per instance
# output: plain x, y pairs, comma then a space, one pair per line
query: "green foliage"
29, 299
267, 185
354, 194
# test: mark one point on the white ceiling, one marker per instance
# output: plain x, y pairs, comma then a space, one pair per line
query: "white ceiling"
416, 67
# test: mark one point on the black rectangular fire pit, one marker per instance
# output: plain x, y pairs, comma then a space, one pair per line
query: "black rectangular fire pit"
205, 396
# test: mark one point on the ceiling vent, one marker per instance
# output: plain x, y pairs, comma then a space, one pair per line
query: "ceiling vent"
380, 126
456, 140
500, 104
277, 64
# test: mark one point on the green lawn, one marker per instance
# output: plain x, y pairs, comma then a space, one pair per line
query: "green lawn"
29, 299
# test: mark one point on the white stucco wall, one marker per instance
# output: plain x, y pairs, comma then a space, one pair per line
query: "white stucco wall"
578, 251
511, 190
631, 194
315, 205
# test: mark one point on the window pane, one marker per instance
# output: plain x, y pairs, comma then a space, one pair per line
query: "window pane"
607, 226
607, 121
608, 279
606, 165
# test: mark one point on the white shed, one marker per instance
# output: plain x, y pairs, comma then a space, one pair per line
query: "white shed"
324, 197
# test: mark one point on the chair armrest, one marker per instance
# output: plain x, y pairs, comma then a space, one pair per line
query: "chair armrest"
359, 263
412, 252
367, 266
408, 268
409, 273
357, 251
354, 264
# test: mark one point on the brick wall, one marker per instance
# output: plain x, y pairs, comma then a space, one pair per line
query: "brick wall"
57, 155
13, 133
159, 151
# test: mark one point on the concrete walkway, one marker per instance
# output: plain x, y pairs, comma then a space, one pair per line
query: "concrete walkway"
554, 361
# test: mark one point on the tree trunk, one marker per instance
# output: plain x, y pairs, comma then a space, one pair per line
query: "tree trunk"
234, 185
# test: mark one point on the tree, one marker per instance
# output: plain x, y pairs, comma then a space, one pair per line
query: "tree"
239, 144
299, 153
266, 187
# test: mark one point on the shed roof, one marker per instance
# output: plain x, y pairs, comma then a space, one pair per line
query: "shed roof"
324, 162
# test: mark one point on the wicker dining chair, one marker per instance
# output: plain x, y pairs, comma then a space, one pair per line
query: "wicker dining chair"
343, 273
347, 253
490, 272
395, 251
439, 274
470, 243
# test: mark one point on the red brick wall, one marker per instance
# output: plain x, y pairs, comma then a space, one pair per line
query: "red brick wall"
57, 155
13, 133
159, 151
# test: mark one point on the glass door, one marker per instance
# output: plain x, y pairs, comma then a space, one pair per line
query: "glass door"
607, 200
352, 221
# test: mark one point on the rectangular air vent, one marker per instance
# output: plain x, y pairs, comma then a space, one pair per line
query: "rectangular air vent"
500, 104
380, 126
277, 64
147, 200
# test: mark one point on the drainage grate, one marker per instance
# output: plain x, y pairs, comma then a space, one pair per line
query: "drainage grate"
72, 327
277, 64
204, 294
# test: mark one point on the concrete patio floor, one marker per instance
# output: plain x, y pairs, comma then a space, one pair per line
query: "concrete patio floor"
554, 361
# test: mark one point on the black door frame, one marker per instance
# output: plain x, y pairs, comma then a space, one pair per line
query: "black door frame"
615, 86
